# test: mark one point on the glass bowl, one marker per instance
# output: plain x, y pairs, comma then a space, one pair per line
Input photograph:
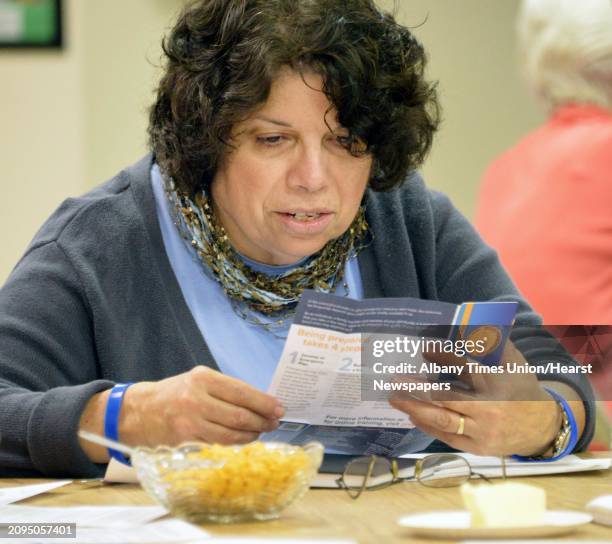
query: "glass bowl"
203, 482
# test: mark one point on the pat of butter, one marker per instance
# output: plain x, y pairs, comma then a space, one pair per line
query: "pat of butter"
507, 504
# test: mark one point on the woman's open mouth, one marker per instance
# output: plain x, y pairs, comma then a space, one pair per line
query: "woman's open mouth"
305, 216
305, 222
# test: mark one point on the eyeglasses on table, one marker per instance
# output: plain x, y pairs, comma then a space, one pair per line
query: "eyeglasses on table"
435, 470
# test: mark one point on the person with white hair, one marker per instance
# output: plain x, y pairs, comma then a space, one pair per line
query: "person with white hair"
546, 204
556, 182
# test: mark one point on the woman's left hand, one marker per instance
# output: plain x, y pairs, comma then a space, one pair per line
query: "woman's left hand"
505, 413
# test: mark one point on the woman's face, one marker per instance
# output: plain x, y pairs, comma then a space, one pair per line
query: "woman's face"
289, 186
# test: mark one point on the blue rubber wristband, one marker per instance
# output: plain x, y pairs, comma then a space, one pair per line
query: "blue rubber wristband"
573, 431
111, 420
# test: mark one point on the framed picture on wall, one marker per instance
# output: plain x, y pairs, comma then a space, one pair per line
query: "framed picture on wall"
31, 23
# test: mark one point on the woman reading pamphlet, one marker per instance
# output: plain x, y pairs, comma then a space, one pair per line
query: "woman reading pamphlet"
285, 138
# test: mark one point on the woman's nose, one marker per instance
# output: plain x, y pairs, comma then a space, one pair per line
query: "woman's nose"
309, 171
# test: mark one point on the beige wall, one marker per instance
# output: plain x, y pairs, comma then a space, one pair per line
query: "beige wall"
71, 119
123, 55
486, 107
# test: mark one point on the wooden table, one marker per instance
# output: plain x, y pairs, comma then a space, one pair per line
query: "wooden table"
326, 513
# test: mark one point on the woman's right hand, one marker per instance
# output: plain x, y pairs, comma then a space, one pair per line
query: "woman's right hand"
201, 404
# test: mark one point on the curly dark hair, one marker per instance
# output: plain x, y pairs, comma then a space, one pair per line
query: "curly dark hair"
222, 56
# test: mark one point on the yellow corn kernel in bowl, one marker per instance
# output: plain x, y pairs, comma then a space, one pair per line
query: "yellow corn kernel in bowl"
208, 482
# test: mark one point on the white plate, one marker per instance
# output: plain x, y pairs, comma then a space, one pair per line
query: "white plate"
455, 524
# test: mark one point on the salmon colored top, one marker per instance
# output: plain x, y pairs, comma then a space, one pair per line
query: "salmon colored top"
546, 206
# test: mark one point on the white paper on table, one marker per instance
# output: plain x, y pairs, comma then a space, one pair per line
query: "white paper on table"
159, 532
14, 494
534, 541
249, 540
118, 472
83, 516
491, 466
322, 385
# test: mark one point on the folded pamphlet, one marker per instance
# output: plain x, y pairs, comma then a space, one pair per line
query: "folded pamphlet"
319, 377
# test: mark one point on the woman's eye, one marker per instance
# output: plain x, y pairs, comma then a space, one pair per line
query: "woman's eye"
270, 140
344, 141
352, 144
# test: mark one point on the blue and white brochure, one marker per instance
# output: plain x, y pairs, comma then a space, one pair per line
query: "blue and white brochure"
319, 375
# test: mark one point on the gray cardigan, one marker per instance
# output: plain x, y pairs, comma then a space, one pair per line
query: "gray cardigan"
94, 301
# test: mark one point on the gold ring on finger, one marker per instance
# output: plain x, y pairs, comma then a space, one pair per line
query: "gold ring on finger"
461, 428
